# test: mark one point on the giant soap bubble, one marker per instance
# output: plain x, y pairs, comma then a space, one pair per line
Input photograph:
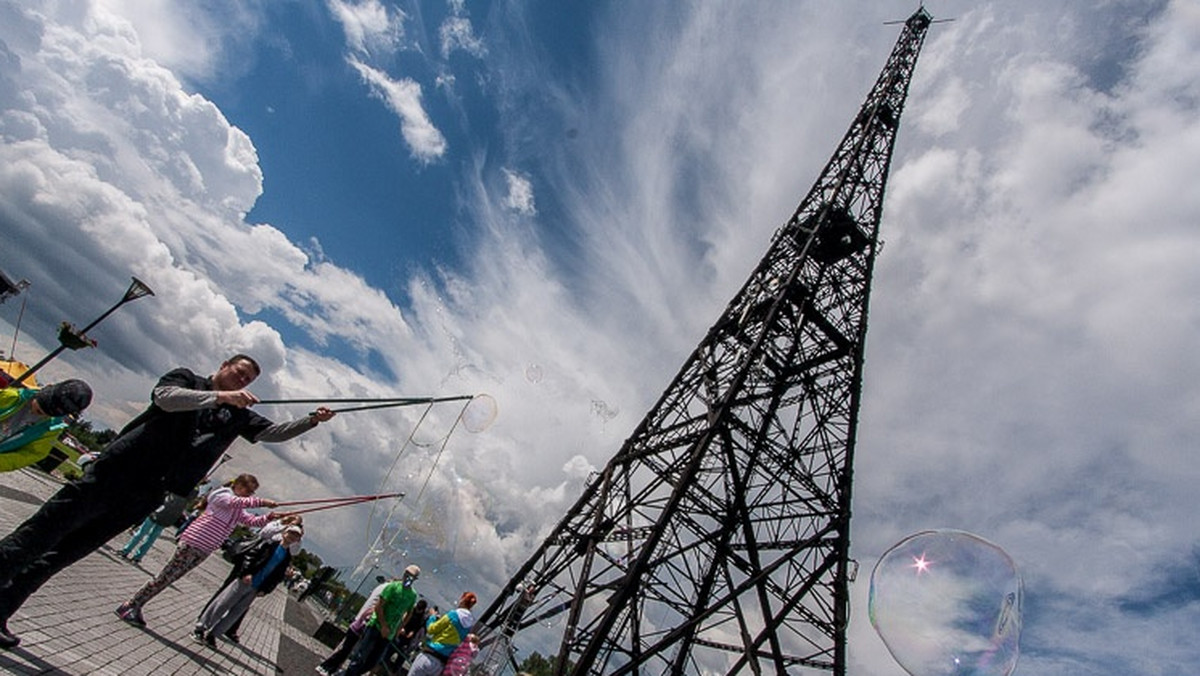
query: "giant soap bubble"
479, 413
948, 603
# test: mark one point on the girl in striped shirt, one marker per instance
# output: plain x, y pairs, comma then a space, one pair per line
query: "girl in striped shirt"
225, 511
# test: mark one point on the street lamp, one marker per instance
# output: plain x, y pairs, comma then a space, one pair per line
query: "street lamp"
9, 288
225, 457
70, 337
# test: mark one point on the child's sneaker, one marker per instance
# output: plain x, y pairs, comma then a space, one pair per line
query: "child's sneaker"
131, 614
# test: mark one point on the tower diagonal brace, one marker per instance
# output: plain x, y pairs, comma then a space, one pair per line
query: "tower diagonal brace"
717, 539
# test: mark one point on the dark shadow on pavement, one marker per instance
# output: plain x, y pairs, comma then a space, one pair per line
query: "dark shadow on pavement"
295, 658
206, 655
20, 496
42, 667
300, 616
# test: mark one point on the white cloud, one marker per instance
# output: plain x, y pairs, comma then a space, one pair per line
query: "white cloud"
520, 193
375, 34
403, 97
1033, 305
192, 41
370, 26
445, 81
456, 32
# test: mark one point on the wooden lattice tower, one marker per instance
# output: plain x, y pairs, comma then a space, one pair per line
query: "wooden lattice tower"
718, 538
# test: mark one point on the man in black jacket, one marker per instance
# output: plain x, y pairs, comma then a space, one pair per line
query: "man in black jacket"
259, 569
190, 422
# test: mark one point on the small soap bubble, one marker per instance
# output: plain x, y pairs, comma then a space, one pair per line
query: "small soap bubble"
948, 603
605, 412
533, 373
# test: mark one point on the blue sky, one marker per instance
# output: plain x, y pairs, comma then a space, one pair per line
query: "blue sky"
551, 202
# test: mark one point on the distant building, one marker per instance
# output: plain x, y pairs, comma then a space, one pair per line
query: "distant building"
66, 449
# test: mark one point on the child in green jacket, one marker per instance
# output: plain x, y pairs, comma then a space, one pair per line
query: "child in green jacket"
31, 420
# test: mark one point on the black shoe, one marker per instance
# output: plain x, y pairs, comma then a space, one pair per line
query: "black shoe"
210, 641
232, 638
8, 640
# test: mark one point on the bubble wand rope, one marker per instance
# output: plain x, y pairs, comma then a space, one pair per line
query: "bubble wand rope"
399, 454
438, 458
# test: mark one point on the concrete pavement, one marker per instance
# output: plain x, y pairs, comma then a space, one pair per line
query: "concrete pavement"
68, 626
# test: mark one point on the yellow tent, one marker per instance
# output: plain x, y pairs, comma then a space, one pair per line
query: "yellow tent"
11, 369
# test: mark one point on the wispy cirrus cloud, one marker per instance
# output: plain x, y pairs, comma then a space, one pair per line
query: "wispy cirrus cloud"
457, 33
374, 33
403, 97
371, 27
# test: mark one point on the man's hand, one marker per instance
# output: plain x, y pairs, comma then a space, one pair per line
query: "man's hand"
247, 579
237, 398
322, 414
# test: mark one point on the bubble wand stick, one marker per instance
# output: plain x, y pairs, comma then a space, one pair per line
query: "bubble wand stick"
332, 503
398, 401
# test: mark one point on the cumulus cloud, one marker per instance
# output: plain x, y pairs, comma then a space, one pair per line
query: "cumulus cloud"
192, 41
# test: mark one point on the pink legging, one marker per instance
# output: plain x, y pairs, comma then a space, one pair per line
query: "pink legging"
186, 558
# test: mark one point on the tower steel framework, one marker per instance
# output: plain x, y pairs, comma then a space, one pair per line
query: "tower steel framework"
717, 539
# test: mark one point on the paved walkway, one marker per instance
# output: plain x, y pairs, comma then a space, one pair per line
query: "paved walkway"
68, 626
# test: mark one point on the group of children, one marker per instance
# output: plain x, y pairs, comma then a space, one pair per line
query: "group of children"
258, 567
438, 643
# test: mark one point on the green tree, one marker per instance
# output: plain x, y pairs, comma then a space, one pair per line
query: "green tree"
537, 665
307, 563
87, 434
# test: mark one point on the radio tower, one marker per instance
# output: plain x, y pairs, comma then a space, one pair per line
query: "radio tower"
717, 540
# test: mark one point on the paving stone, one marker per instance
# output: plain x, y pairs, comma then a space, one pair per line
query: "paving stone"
68, 626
